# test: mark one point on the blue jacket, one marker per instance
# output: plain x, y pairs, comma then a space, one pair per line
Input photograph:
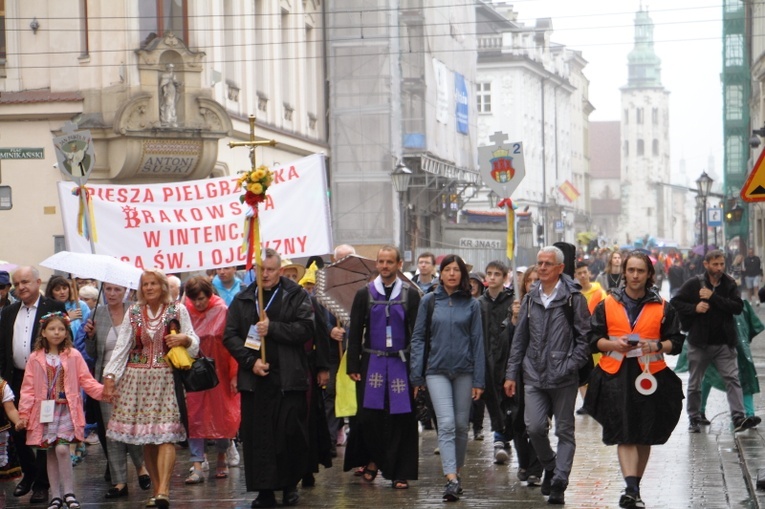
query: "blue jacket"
456, 338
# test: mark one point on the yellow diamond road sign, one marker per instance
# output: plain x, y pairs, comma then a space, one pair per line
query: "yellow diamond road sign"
754, 187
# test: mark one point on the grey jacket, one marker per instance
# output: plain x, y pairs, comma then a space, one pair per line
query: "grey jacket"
455, 345
545, 347
94, 348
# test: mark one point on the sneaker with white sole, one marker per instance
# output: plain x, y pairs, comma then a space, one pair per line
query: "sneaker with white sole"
232, 455
500, 454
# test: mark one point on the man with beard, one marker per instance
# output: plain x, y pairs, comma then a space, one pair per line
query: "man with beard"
385, 434
706, 305
274, 403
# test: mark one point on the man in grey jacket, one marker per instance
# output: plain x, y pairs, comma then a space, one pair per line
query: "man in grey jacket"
547, 351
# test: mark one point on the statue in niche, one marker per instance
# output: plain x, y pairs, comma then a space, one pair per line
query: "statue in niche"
170, 92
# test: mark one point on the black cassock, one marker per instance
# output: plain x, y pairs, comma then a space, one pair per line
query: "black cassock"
391, 441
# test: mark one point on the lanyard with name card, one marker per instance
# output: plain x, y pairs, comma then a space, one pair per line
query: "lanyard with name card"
47, 406
253, 338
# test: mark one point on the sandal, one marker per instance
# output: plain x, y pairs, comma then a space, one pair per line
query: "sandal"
370, 474
152, 502
162, 501
400, 485
221, 471
195, 477
56, 503
71, 501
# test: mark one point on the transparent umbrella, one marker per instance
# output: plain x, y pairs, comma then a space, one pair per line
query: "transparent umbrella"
103, 268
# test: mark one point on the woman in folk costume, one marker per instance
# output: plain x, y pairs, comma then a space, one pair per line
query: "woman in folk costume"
213, 414
146, 410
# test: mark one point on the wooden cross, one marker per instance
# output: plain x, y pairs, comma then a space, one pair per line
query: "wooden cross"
252, 143
258, 274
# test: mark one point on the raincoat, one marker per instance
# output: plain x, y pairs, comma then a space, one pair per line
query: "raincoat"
214, 413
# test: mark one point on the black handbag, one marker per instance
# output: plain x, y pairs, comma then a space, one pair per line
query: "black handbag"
201, 376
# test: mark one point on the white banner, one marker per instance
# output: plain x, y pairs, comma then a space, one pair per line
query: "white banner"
442, 74
197, 224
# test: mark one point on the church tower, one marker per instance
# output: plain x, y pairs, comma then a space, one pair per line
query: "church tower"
647, 199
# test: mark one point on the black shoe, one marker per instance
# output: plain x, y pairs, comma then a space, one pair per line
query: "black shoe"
631, 501
742, 423
22, 488
694, 426
546, 482
39, 496
117, 492
144, 482
451, 491
557, 490
581, 411
522, 475
308, 481
265, 498
703, 420
290, 497
756, 421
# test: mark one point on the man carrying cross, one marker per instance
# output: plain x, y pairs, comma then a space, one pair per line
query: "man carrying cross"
385, 435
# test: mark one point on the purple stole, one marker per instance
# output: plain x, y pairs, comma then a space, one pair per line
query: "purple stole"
387, 372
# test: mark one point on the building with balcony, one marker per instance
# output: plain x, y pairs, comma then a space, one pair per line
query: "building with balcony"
152, 80
402, 94
535, 92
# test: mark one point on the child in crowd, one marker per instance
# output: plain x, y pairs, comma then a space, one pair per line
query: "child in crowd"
51, 408
8, 415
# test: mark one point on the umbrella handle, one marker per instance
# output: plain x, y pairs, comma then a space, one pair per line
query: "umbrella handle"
98, 299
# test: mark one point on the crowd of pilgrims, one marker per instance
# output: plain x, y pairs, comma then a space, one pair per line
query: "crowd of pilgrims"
441, 343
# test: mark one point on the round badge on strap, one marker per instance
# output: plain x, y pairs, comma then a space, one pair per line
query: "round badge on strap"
646, 384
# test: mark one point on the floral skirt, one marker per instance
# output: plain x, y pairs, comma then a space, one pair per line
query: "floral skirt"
146, 409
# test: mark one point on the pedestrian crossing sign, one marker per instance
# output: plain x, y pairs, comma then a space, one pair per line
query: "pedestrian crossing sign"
754, 187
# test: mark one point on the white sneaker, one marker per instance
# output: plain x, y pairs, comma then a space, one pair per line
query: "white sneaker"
232, 455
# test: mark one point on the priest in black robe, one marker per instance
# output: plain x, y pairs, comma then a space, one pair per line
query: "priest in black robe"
385, 435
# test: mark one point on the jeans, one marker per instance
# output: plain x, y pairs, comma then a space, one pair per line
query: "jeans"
452, 398
197, 447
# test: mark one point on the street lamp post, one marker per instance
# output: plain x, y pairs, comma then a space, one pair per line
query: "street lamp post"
700, 216
401, 177
704, 186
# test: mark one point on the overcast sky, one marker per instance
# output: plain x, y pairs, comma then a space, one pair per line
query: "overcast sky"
687, 35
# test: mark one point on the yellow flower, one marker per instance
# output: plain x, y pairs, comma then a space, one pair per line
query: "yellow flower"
258, 174
253, 176
269, 179
255, 188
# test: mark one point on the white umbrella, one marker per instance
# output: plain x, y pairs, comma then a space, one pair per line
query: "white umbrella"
105, 269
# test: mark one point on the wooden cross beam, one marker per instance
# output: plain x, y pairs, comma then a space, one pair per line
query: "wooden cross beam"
252, 144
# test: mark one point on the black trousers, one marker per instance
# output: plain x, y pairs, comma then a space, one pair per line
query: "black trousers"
34, 465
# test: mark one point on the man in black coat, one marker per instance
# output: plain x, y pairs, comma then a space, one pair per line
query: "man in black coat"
706, 305
19, 324
273, 392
